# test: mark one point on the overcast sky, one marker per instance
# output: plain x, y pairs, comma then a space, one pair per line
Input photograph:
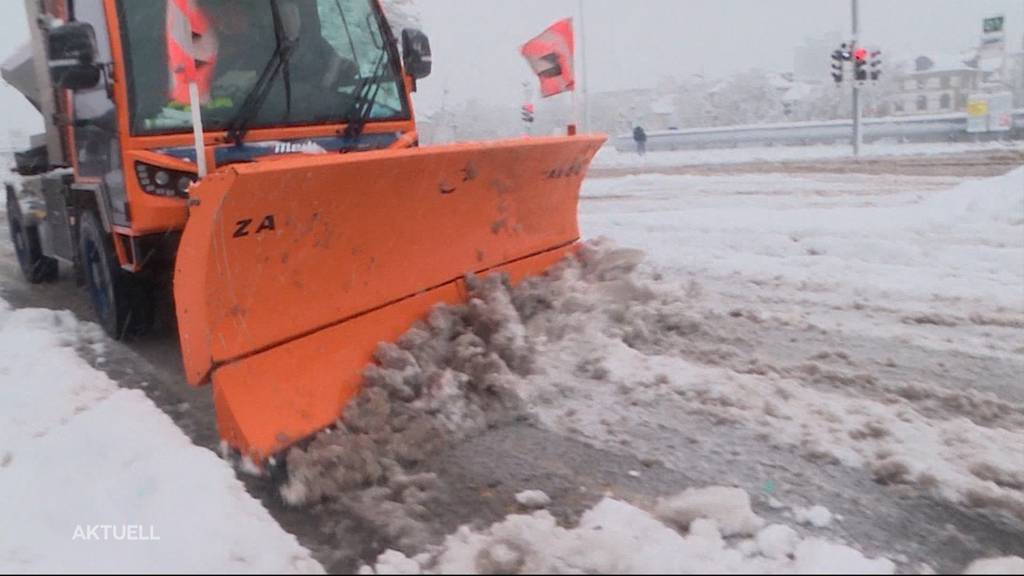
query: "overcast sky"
633, 43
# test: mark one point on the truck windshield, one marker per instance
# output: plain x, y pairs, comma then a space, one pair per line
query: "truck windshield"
229, 43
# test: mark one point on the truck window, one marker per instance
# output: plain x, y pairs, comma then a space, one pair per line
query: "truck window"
93, 109
339, 43
97, 145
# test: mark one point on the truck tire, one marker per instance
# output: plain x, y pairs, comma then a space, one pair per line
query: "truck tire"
36, 267
122, 305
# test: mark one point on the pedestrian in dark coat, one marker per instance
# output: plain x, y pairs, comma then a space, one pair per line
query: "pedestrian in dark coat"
640, 137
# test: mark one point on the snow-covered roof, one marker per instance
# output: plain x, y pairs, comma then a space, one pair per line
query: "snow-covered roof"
990, 64
942, 63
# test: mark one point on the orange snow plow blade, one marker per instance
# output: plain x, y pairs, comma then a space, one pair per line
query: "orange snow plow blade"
291, 271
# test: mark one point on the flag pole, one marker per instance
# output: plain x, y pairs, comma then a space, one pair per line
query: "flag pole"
197, 127
576, 126
583, 69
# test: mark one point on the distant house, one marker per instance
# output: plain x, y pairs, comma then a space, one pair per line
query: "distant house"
936, 85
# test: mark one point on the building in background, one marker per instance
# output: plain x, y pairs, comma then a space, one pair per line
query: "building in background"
935, 85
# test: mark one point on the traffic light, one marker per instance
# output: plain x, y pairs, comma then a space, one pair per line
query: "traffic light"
837, 66
860, 62
876, 65
527, 112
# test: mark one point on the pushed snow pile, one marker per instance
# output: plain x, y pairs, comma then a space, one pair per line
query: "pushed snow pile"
445, 378
617, 538
999, 200
95, 478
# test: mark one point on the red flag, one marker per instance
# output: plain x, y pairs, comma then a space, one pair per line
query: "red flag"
551, 57
191, 49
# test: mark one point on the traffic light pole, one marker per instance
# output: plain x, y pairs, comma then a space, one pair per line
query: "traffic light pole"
856, 86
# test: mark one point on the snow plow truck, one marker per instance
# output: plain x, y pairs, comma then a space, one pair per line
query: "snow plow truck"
261, 159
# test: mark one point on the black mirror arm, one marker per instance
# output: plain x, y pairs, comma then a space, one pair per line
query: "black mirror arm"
107, 72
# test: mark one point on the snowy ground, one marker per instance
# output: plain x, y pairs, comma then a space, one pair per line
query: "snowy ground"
865, 323
94, 478
778, 372
609, 157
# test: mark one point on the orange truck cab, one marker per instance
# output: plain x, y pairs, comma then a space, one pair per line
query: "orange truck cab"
109, 191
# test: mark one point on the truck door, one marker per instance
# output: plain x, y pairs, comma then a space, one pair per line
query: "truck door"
95, 129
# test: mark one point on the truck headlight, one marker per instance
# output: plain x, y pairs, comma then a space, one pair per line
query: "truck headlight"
162, 181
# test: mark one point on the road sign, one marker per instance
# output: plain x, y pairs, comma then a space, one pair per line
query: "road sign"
977, 113
993, 24
527, 113
1000, 112
993, 36
990, 112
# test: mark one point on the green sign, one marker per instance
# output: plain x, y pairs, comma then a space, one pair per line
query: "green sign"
993, 25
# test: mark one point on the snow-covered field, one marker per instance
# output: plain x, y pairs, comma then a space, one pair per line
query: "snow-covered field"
95, 478
609, 157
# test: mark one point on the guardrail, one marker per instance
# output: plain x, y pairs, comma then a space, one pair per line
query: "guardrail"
932, 128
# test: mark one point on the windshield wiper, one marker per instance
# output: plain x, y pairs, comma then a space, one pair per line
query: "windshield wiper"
359, 111
238, 126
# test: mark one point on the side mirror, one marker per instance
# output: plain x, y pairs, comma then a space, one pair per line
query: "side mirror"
72, 48
416, 53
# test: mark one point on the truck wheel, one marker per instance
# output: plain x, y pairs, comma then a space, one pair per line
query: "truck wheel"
124, 308
36, 267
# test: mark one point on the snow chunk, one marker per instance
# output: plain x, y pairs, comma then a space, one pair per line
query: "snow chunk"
1003, 565
393, 562
249, 467
816, 556
729, 507
777, 541
533, 499
817, 516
